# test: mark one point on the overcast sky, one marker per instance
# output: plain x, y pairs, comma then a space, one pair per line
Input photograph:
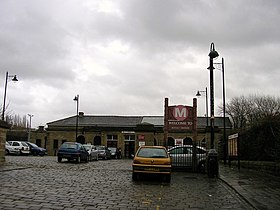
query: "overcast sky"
123, 57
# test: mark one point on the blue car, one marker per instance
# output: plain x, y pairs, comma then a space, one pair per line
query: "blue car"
35, 150
72, 151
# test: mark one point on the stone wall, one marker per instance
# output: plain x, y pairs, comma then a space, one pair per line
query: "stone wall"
264, 166
3, 131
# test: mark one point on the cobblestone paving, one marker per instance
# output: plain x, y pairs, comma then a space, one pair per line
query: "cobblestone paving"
42, 183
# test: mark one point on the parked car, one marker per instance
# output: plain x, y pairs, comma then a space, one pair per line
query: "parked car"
72, 151
182, 157
114, 152
36, 150
92, 151
151, 160
9, 149
19, 147
103, 152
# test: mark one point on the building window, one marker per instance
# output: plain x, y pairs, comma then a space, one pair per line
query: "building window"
129, 137
112, 137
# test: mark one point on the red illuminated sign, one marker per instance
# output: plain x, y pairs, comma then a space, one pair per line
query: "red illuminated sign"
180, 118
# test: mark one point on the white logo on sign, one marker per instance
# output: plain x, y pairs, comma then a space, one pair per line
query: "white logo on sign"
180, 113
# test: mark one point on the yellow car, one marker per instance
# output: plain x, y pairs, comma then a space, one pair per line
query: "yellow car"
151, 160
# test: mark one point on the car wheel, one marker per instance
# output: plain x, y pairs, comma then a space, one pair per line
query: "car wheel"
87, 159
134, 176
59, 159
78, 159
35, 153
201, 167
168, 178
7, 152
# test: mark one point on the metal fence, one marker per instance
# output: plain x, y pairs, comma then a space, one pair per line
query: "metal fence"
188, 157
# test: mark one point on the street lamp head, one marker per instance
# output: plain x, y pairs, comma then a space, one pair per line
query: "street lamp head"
15, 78
76, 98
198, 93
213, 53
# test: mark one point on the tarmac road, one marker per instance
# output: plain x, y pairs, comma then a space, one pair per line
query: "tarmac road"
28, 182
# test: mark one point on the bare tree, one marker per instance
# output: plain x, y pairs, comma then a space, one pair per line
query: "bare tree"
245, 111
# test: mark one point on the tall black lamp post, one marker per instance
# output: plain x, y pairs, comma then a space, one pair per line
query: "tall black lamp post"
76, 98
224, 111
213, 54
29, 130
206, 98
5, 91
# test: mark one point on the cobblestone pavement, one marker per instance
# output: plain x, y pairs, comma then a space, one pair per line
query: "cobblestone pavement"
29, 182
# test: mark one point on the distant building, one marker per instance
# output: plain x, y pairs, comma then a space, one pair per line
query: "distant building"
125, 132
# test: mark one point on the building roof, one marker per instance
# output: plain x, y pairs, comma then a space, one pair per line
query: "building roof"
97, 120
127, 121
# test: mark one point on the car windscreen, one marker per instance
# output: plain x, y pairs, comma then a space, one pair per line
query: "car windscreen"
152, 153
33, 145
69, 146
24, 144
87, 147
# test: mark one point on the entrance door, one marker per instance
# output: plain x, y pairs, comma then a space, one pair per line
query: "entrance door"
129, 149
81, 139
97, 140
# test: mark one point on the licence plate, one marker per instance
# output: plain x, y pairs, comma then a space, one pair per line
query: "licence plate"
67, 156
151, 169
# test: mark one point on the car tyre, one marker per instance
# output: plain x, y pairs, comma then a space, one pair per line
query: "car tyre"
201, 167
7, 152
135, 176
168, 178
59, 159
78, 159
87, 159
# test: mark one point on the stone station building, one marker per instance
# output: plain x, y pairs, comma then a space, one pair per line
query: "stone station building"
124, 132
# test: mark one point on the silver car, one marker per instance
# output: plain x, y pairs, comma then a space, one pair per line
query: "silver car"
19, 147
10, 150
181, 157
103, 152
93, 153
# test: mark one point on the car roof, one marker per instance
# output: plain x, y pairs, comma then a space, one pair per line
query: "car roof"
70, 142
178, 146
153, 147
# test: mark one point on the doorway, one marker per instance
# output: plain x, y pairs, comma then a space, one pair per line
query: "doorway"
129, 147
